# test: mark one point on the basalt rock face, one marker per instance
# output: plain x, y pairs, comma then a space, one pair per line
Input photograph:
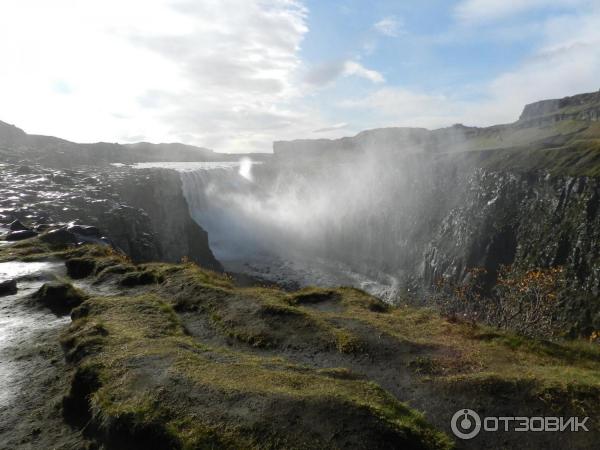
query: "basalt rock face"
525, 195
525, 220
141, 212
177, 235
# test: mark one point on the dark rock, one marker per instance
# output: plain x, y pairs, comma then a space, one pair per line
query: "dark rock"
84, 230
26, 170
62, 179
80, 267
17, 226
8, 287
42, 227
60, 297
20, 235
59, 237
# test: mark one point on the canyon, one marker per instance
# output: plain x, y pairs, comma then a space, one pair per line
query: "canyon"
177, 258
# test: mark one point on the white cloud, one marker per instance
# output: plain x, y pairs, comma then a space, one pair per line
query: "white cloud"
228, 74
220, 73
565, 64
474, 11
326, 73
389, 26
357, 69
394, 106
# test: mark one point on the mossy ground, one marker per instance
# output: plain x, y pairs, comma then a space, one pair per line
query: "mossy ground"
182, 358
562, 148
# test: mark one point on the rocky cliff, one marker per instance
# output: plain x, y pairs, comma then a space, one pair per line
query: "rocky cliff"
142, 212
578, 107
176, 235
526, 220
524, 194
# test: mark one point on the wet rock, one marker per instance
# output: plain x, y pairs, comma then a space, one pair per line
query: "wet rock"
62, 179
148, 224
40, 228
8, 287
20, 235
25, 170
59, 237
60, 297
17, 226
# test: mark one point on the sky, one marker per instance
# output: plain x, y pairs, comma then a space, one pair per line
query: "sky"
236, 75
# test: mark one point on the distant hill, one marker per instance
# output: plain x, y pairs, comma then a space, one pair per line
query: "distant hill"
561, 134
16, 145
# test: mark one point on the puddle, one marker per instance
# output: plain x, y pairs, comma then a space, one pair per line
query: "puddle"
19, 270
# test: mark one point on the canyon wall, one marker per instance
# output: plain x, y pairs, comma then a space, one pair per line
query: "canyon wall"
142, 212
176, 235
525, 194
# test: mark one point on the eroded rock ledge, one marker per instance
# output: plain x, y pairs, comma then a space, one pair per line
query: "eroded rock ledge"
142, 212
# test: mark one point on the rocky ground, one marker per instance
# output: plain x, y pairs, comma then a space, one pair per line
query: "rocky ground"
174, 356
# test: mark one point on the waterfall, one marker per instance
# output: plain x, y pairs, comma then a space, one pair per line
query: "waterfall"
280, 225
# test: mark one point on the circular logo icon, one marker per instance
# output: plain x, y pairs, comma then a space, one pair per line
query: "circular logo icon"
466, 424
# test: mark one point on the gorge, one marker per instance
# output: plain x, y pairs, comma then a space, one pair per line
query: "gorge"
205, 299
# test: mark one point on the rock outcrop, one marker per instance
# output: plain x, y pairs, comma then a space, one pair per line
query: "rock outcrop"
141, 212
176, 235
578, 107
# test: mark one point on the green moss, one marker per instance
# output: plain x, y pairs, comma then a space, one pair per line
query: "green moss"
347, 342
152, 376
578, 158
140, 278
232, 382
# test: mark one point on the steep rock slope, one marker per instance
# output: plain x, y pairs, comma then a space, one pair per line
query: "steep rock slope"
177, 235
524, 194
143, 212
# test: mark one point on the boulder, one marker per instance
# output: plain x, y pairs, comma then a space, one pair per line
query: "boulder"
20, 235
26, 170
59, 237
8, 287
84, 230
60, 297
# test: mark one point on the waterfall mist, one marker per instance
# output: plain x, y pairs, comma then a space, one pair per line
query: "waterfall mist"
347, 218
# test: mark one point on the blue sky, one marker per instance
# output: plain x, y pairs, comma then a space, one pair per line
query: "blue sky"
235, 75
453, 50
